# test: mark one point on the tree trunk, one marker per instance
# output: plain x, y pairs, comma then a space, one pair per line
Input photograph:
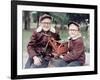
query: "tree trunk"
27, 20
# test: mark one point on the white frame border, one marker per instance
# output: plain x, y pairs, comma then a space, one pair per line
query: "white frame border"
21, 71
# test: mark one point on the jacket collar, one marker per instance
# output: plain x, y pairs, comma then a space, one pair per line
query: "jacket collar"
75, 37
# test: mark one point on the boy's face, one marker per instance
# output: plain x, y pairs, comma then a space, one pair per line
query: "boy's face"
73, 31
46, 24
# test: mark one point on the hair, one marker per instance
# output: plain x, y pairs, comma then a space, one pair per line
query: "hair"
75, 23
45, 16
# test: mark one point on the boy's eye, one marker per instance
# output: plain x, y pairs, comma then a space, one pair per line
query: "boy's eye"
73, 30
46, 23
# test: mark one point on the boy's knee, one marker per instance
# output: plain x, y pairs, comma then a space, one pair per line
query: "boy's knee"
57, 63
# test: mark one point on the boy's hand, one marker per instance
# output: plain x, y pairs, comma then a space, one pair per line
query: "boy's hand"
55, 54
37, 60
61, 56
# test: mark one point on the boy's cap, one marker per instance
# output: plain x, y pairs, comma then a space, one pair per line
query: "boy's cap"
44, 16
75, 23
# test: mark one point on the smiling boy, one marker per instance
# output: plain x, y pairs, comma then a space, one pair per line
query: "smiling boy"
76, 53
38, 56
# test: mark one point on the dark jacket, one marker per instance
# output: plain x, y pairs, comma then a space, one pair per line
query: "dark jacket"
76, 51
38, 42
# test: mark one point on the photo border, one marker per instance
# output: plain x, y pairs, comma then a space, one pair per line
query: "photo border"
14, 5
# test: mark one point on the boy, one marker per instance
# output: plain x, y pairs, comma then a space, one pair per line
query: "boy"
76, 53
38, 49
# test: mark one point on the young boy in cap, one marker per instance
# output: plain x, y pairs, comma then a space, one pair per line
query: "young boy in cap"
39, 52
76, 53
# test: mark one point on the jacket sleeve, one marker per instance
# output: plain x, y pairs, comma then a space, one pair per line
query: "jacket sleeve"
30, 47
77, 50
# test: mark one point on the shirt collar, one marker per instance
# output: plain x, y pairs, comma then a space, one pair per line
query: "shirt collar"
75, 37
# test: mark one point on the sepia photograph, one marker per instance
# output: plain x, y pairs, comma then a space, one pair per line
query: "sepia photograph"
55, 39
